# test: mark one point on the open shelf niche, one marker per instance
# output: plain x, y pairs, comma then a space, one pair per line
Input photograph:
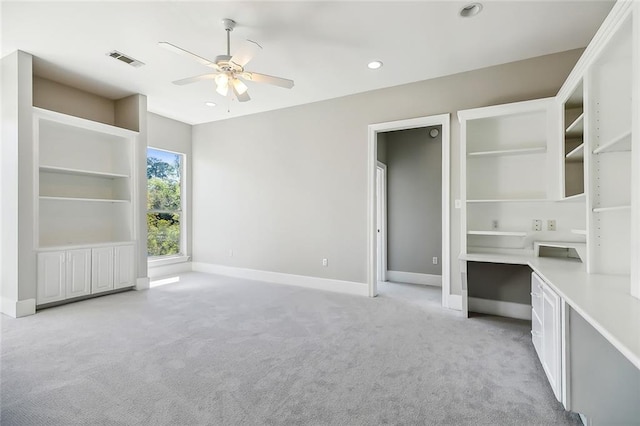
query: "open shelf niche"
573, 141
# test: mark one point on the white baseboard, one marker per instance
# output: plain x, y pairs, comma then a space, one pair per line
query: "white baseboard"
414, 278
455, 302
18, 308
164, 270
338, 286
142, 283
498, 307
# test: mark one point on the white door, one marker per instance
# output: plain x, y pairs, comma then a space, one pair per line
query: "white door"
51, 277
101, 269
381, 221
123, 256
78, 279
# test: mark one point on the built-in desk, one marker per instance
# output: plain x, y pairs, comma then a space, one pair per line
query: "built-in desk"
602, 300
599, 382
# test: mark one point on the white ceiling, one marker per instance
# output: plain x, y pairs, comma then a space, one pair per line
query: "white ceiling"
323, 46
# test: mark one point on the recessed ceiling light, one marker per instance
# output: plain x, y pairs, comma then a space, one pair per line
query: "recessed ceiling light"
470, 10
210, 104
374, 65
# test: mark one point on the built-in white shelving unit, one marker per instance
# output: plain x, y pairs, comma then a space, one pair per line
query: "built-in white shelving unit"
84, 180
610, 144
508, 181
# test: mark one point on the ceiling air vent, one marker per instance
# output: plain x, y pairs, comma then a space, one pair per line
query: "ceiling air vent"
124, 58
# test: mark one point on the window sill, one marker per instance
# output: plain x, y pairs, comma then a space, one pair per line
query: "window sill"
169, 260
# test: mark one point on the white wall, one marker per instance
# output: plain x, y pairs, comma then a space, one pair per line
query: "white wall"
286, 188
171, 135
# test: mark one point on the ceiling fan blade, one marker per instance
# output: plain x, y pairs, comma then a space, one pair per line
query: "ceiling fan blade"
269, 79
242, 97
246, 52
180, 51
195, 79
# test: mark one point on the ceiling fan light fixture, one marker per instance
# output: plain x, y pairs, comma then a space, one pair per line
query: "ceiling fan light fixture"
210, 104
239, 86
472, 9
374, 65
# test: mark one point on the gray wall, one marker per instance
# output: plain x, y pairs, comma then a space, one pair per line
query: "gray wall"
171, 135
286, 188
414, 201
507, 283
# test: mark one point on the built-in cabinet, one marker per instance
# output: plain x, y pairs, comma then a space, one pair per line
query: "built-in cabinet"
68, 274
546, 331
84, 207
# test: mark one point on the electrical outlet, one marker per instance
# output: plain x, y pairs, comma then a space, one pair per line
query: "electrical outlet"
494, 224
325, 262
537, 225
435, 260
551, 224
230, 253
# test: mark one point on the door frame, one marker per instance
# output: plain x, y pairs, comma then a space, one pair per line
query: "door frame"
412, 123
383, 223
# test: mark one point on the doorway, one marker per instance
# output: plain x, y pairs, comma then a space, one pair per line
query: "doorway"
376, 199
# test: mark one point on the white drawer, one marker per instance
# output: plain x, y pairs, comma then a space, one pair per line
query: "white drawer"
536, 334
536, 295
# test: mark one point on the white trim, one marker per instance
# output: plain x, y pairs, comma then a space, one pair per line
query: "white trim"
434, 120
154, 262
328, 284
18, 308
142, 283
455, 302
168, 269
414, 278
383, 229
499, 307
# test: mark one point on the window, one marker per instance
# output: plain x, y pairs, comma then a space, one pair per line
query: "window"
164, 203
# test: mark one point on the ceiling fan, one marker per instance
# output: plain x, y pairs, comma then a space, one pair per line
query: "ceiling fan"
229, 70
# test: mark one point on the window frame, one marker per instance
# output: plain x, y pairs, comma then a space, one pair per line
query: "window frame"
181, 255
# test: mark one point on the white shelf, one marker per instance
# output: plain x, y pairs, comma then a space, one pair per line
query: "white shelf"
577, 127
83, 123
504, 152
573, 198
498, 233
73, 246
611, 209
577, 153
618, 144
510, 200
71, 171
98, 200
579, 231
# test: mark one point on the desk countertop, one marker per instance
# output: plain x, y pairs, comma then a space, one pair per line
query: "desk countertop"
604, 301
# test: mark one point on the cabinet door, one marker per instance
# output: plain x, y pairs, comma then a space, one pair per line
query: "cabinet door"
123, 271
78, 280
51, 277
101, 269
551, 338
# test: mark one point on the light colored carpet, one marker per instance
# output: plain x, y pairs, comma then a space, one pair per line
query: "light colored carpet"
223, 351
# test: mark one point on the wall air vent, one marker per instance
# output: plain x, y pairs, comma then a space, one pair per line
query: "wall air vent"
126, 59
